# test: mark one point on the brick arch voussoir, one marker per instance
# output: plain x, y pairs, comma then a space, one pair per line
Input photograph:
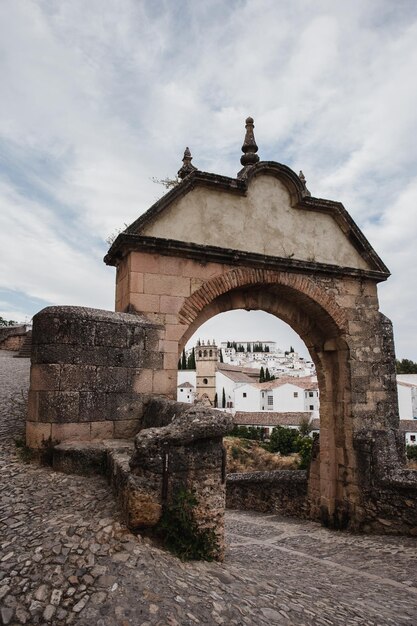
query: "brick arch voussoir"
245, 277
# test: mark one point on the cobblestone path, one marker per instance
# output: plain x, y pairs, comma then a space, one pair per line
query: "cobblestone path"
66, 559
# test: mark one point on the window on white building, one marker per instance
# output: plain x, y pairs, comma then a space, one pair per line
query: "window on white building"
311, 394
244, 394
270, 400
295, 394
311, 407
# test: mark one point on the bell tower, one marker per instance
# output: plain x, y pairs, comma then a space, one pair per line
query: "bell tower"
206, 355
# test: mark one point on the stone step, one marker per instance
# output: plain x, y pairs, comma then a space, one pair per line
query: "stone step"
26, 349
87, 457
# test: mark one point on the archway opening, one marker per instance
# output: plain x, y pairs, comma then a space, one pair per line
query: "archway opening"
320, 326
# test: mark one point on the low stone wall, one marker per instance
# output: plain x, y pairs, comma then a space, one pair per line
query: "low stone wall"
91, 372
12, 337
281, 491
389, 489
184, 451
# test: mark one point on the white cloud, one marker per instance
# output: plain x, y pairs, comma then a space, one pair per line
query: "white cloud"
100, 97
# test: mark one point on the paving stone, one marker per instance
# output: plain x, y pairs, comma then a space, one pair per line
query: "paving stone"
277, 570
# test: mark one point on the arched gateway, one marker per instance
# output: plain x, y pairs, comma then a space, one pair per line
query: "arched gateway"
261, 241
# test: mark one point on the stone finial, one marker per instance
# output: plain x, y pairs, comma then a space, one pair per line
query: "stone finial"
304, 182
187, 166
249, 147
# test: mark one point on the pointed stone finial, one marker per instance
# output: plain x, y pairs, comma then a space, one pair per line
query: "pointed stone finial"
304, 182
187, 166
249, 147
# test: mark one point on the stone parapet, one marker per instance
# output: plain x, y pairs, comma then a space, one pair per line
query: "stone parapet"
280, 491
91, 372
185, 453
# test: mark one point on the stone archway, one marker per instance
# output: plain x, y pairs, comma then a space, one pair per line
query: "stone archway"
322, 325
261, 241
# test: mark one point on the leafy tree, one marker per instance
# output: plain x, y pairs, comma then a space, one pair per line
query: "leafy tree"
223, 399
183, 361
284, 440
406, 366
191, 360
304, 447
412, 453
247, 432
215, 401
221, 356
4, 322
179, 363
305, 427
248, 348
262, 375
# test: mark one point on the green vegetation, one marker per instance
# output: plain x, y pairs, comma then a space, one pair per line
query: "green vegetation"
247, 455
412, 453
187, 363
180, 532
285, 442
405, 366
248, 432
4, 322
265, 376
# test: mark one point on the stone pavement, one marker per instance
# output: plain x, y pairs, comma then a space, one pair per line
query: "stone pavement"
65, 558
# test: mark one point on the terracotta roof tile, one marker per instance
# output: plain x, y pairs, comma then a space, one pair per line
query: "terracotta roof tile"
269, 418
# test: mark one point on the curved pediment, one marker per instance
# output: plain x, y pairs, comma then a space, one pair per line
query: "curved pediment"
266, 212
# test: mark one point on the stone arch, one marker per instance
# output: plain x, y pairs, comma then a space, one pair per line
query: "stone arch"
298, 288
322, 325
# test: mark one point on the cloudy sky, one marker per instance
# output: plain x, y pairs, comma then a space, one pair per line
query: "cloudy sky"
97, 98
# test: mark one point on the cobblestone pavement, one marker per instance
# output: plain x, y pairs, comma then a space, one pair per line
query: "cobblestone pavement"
66, 559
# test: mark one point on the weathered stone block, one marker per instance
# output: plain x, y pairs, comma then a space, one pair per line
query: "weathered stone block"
95, 406
58, 406
115, 335
37, 433
112, 379
126, 429
70, 432
45, 377
78, 377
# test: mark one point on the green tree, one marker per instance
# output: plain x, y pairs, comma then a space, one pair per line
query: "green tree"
183, 361
262, 375
221, 355
304, 447
406, 366
191, 360
223, 399
305, 427
267, 375
4, 322
284, 440
215, 401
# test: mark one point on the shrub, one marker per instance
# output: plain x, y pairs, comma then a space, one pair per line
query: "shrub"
305, 445
284, 440
412, 453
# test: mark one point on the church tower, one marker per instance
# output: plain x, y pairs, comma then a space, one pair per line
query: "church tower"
206, 355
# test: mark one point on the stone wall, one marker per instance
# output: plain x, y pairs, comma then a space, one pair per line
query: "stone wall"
12, 337
281, 491
182, 450
389, 489
91, 372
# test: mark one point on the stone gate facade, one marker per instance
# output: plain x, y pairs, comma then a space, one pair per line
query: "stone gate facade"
261, 241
